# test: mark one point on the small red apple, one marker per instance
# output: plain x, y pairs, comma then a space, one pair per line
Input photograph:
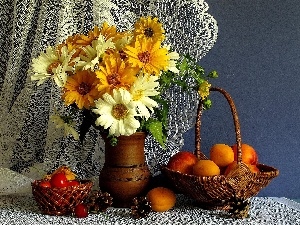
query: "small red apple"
183, 162
81, 210
249, 155
59, 180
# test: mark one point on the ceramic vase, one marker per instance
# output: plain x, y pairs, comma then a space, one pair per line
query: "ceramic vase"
125, 173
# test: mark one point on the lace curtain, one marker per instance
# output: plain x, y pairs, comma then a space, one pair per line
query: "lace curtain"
29, 142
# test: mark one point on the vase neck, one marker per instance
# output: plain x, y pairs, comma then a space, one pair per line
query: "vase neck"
129, 150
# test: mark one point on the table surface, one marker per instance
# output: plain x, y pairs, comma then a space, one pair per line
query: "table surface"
22, 209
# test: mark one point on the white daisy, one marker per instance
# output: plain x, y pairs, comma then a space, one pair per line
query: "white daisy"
52, 65
144, 87
121, 43
94, 53
117, 112
174, 56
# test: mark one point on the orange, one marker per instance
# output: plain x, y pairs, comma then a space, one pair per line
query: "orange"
221, 154
249, 155
161, 199
206, 168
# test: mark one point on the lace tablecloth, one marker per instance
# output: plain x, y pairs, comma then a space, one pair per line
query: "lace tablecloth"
22, 209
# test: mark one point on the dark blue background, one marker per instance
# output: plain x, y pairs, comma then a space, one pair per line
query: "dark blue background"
257, 55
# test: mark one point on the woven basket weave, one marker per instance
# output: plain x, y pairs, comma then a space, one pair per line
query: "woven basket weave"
215, 192
60, 201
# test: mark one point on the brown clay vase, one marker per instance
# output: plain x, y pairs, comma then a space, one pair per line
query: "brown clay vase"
125, 173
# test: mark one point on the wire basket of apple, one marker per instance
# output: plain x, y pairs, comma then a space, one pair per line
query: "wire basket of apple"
60, 192
227, 178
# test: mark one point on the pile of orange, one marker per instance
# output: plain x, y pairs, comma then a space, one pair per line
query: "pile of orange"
222, 160
224, 157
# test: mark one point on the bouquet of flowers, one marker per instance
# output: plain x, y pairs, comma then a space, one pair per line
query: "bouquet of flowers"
116, 78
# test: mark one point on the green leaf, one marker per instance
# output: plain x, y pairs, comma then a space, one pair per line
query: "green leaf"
166, 80
155, 127
213, 74
161, 113
184, 65
207, 103
113, 141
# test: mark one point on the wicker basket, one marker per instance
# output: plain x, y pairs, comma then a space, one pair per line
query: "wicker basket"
60, 201
215, 192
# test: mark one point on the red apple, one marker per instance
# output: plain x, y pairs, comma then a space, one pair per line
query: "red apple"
59, 180
249, 155
183, 162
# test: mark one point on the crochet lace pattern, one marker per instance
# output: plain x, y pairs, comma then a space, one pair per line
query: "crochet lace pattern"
29, 142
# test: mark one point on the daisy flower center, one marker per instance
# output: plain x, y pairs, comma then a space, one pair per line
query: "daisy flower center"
149, 32
123, 55
114, 79
119, 111
144, 57
137, 95
84, 88
52, 66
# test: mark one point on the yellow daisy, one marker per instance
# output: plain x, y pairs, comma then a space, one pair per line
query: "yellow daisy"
108, 31
78, 41
81, 89
143, 88
117, 112
115, 73
149, 28
73, 44
148, 56
85, 40
204, 89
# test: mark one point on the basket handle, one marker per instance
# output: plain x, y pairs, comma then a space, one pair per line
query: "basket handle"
235, 119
